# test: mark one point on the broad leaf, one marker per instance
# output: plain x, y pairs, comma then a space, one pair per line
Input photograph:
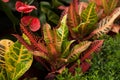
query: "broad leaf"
17, 60
77, 50
89, 18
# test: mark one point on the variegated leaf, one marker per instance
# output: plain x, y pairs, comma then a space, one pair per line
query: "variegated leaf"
89, 14
89, 18
105, 25
62, 33
4, 47
77, 50
73, 19
49, 39
17, 60
66, 48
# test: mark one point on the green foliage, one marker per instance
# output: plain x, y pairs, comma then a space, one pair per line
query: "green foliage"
105, 64
66, 75
46, 8
15, 60
109, 6
89, 18
82, 24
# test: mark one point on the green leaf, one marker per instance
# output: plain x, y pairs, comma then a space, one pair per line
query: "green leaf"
112, 4
16, 60
26, 38
77, 50
56, 3
66, 48
89, 14
109, 6
105, 6
62, 32
47, 9
89, 17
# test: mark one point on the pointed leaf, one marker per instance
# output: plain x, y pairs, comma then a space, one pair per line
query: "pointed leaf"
49, 39
73, 18
77, 50
105, 6
115, 28
62, 33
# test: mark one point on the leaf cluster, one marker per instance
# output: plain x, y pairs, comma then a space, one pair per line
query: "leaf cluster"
105, 64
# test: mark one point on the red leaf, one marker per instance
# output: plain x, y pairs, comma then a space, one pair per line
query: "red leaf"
93, 48
38, 46
22, 7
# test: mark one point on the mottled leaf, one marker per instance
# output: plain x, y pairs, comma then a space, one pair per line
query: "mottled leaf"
17, 60
105, 25
77, 50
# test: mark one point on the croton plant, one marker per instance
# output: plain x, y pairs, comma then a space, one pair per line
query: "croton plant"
75, 37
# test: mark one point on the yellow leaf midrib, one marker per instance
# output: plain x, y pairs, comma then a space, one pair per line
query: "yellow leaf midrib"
19, 58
